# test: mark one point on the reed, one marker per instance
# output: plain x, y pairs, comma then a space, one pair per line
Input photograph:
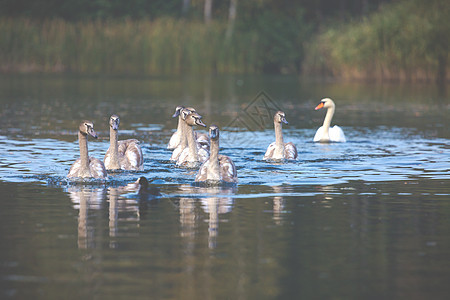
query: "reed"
163, 46
402, 41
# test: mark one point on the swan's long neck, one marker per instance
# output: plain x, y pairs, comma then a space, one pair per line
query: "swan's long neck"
327, 121
192, 144
180, 124
84, 156
279, 143
114, 148
182, 131
213, 167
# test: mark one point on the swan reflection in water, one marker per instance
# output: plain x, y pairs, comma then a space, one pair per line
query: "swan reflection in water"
325, 199
218, 201
86, 199
278, 205
122, 209
92, 201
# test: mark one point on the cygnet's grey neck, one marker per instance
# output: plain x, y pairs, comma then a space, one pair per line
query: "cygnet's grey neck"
182, 127
84, 156
192, 144
279, 143
214, 167
114, 148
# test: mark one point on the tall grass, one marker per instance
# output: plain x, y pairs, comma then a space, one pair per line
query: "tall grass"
407, 40
164, 46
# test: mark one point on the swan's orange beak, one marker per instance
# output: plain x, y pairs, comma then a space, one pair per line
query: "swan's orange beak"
321, 104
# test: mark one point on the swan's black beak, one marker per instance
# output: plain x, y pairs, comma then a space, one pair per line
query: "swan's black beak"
92, 132
114, 122
115, 125
284, 121
199, 122
213, 132
321, 104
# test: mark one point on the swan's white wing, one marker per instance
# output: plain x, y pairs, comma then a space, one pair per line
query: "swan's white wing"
97, 168
107, 159
174, 140
203, 154
123, 145
176, 153
182, 158
202, 174
319, 134
228, 169
336, 134
290, 151
73, 172
269, 152
202, 139
130, 155
135, 156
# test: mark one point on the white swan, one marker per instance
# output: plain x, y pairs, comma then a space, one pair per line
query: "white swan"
279, 150
85, 166
183, 142
201, 139
326, 134
125, 154
217, 168
193, 155
177, 137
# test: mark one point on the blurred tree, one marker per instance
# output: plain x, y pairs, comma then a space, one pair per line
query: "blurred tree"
437, 13
185, 7
231, 18
274, 32
315, 11
208, 11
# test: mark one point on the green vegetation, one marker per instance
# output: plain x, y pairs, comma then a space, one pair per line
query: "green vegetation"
407, 40
163, 46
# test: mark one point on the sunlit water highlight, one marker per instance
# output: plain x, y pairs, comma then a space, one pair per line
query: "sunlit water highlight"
380, 154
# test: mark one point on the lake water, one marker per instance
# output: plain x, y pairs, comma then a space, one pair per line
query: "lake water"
366, 219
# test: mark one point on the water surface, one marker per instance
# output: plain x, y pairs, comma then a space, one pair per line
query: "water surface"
369, 218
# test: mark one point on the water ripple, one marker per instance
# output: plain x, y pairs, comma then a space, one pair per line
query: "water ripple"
390, 154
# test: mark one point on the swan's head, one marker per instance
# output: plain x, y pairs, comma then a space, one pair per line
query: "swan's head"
177, 111
186, 111
87, 128
214, 132
114, 122
325, 103
280, 117
193, 119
